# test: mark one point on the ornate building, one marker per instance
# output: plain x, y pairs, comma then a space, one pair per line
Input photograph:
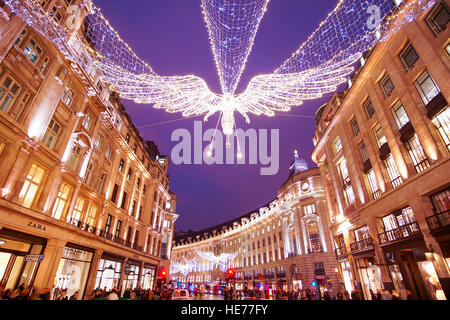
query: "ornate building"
383, 151
283, 245
85, 201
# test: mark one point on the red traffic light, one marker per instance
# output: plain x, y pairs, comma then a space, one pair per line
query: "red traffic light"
163, 273
230, 273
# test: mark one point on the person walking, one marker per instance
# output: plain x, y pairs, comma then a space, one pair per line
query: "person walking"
74, 296
113, 295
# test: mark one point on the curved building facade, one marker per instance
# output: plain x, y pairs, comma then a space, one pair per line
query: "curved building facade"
283, 245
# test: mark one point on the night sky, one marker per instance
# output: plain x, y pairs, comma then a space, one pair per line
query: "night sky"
172, 37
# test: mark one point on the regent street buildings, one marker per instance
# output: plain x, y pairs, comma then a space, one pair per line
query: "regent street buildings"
84, 201
382, 147
283, 245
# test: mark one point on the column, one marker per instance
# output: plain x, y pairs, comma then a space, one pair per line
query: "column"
90, 283
53, 253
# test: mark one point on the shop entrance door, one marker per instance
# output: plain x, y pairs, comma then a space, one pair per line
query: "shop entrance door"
411, 275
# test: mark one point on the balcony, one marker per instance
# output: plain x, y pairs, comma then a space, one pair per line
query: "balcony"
406, 232
362, 245
341, 252
439, 223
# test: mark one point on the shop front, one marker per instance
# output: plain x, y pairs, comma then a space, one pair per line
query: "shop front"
347, 276
73, 271
370, 275
148, 277
131, 277
109, 272
410, 270
20, 256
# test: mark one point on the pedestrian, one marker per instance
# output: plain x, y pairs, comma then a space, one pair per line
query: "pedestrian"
151, 295
132, 295
74, 296
16, 293
6, 295
45, 294
62, 295
113, 295
386, 295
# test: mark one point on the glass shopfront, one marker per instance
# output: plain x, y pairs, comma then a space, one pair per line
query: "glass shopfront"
397, 277
109, 272
73, 271
148, 277
131, 276
370, 275
347, 276
431, 280
14, 267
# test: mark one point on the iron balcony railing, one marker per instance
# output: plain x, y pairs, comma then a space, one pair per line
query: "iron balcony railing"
439, 221
341, 251
362, 245
401, 233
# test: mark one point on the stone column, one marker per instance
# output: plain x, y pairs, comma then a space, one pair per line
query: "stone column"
90, 283
53, 253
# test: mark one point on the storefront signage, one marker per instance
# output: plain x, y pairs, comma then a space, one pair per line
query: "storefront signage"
34, 258
36, 226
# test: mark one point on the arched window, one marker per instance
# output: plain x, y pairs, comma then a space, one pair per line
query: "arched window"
315, 245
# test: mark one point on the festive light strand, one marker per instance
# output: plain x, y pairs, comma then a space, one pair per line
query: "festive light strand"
322, 63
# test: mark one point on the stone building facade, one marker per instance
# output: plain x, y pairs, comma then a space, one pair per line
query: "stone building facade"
84, 201
383, 151
283, 245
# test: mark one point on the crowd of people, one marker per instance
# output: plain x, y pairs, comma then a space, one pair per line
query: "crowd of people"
30, 293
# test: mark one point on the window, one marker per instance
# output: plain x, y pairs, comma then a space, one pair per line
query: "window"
315, 246
67, 96
114, 193
441, 204
78, 210
409, 56
44, 65
62, 201
108, 153
108, 224
56, 14
74, 157
33, 51
88, 175
427, 88
101, 182
399, 219
8, 93
417, 154
119, 226
121, 164
133, 208
368, 107
129, 174
442, 123
363, 152
124, 200
31, 186
438, 18
98, 141
337, 145
309, 209
387, 86
362, 233
87, 121
348, 189
355, 126
91, 218
379, 135
51, 134
18, 111
400, 116
392, 170
138, 183
127, 138
371, 177
139, 214
21, 37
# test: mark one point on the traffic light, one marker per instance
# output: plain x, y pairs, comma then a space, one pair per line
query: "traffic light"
230, 274
314, 283
163, 275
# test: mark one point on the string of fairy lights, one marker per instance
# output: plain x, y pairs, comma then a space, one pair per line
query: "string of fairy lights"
221, 262
321, 63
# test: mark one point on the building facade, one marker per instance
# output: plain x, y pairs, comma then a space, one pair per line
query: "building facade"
85, 201
382, 147
283, 245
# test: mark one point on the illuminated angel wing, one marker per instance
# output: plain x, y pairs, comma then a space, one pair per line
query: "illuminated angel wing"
268, 94
188, 95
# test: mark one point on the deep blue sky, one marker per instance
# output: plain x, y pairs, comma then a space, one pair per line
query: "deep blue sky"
172, 37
